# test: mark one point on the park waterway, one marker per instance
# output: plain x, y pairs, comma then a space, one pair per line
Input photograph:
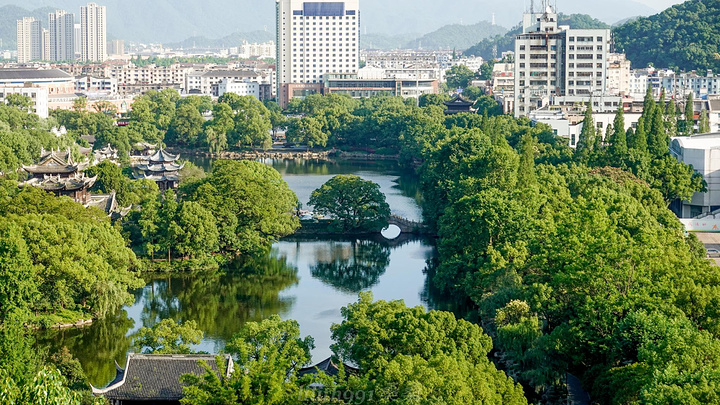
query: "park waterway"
308, 280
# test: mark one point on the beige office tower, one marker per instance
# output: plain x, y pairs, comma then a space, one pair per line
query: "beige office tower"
117, 47
315, 38
46, 44
62, 36
29, 40
77, 38
93, 32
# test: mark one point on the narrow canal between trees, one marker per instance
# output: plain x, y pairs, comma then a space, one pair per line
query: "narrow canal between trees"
301, 279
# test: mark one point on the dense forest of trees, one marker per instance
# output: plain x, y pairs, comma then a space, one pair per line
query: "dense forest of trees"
683, 37
570, 257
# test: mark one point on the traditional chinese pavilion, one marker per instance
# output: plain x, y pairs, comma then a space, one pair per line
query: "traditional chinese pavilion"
162, 168
56, 172
459, 105
106, 153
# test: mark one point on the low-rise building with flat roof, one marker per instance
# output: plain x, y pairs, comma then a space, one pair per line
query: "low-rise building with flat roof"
703, 153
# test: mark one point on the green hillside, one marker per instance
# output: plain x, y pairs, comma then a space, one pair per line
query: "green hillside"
507, 42
456, 36
385, 41
8, 22
683, 37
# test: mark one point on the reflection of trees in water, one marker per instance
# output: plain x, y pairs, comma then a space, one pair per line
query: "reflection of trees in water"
409, 185
222, 303
351, 267
97, 346
436, 299
219, 302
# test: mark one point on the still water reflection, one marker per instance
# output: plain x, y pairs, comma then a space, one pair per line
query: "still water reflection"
305, 280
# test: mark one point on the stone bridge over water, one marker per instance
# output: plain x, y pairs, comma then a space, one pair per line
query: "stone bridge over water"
407, 226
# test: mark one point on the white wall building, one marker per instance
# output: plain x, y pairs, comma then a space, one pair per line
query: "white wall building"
703, 153
315, 38
207, 83
553, 60
62, 36
503, 86
265, 50
618, 75
472, 63
91, 85
93, 28
130, 77
241, 88
38, 95
639, 80
568, 123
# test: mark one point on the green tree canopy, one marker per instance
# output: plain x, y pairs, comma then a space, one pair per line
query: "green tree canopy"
408, 354
268, 355
459, 77
168, 337
251, 203
355, 204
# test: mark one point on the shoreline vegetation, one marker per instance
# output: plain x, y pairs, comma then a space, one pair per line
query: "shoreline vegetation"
571, 258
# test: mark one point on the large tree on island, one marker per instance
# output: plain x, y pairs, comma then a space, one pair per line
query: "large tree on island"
251, 203
356, 204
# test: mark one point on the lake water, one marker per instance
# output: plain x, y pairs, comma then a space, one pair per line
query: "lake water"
310, 280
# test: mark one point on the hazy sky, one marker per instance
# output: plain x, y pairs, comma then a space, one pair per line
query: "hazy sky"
659, 4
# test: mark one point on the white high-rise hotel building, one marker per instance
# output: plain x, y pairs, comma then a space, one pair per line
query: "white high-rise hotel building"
315, 38
554, 62
93, 32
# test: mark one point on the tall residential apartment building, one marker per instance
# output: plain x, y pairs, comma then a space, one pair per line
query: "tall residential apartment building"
29, 40
117, 47
314, 38
557, 61
78, 39
93, 33
62, 36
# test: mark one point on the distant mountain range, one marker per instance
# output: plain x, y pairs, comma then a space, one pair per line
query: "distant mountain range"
168, 21
8, 22
454, 36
